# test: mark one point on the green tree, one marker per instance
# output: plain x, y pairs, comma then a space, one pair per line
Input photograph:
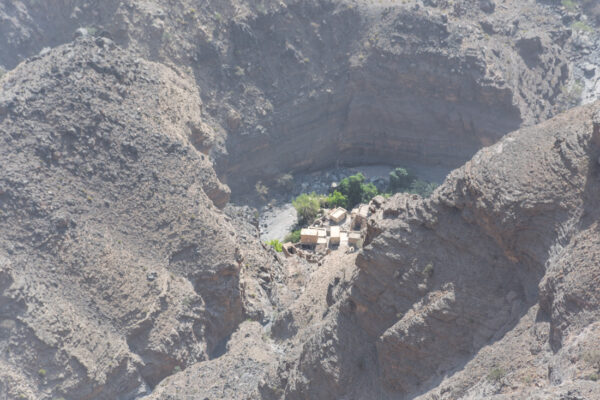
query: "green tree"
422, 188
307, 206
351, 187
368, 191
400, 180
336, 199
356, 191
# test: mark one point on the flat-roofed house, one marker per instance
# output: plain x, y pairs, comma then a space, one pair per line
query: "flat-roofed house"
354, 238
309, 236
334, 236
338, 215
322, 233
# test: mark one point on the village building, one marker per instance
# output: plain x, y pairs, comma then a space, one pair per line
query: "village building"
334, 236
354, 238
359, 217
322, 233
338, 215
309, 236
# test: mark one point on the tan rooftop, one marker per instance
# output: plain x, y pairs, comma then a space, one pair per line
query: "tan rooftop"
309, 236
338, 215
363, 211
354, 237
334, 237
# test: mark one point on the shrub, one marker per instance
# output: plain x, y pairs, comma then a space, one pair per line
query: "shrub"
42, 372
496, 375
285, 181
276, 244
422, 188
307, 206
91, 30
428, 270
239, 71
581, 26
400, 180
293, 237
261, 190
570, 5
336, 199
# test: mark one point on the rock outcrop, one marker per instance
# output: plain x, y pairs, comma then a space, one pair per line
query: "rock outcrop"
117, 265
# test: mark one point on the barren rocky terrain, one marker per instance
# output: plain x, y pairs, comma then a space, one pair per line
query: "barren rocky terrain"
133, 137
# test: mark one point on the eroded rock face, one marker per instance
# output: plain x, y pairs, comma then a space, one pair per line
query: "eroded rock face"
506, 219
403, 82
117, 265
333, 82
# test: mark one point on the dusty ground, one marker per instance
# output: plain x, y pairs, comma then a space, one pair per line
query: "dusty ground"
277, 222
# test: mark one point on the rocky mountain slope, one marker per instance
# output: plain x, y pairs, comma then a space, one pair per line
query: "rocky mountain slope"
117, 264
334, 81
125, 273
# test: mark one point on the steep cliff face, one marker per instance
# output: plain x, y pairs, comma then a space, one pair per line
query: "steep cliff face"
116, 263
297, 85
399, 82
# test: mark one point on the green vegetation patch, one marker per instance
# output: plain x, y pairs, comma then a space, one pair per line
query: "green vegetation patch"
356, 190
293, 237
351, 192
276, 245
581, 26
496, 375
570, 5
336, 199
307, 207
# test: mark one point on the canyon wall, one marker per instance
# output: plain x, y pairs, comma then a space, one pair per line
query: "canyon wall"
298, 86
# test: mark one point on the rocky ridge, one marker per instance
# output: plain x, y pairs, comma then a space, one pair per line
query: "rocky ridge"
117, 264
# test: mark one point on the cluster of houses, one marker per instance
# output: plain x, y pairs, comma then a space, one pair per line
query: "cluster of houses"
337, 229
